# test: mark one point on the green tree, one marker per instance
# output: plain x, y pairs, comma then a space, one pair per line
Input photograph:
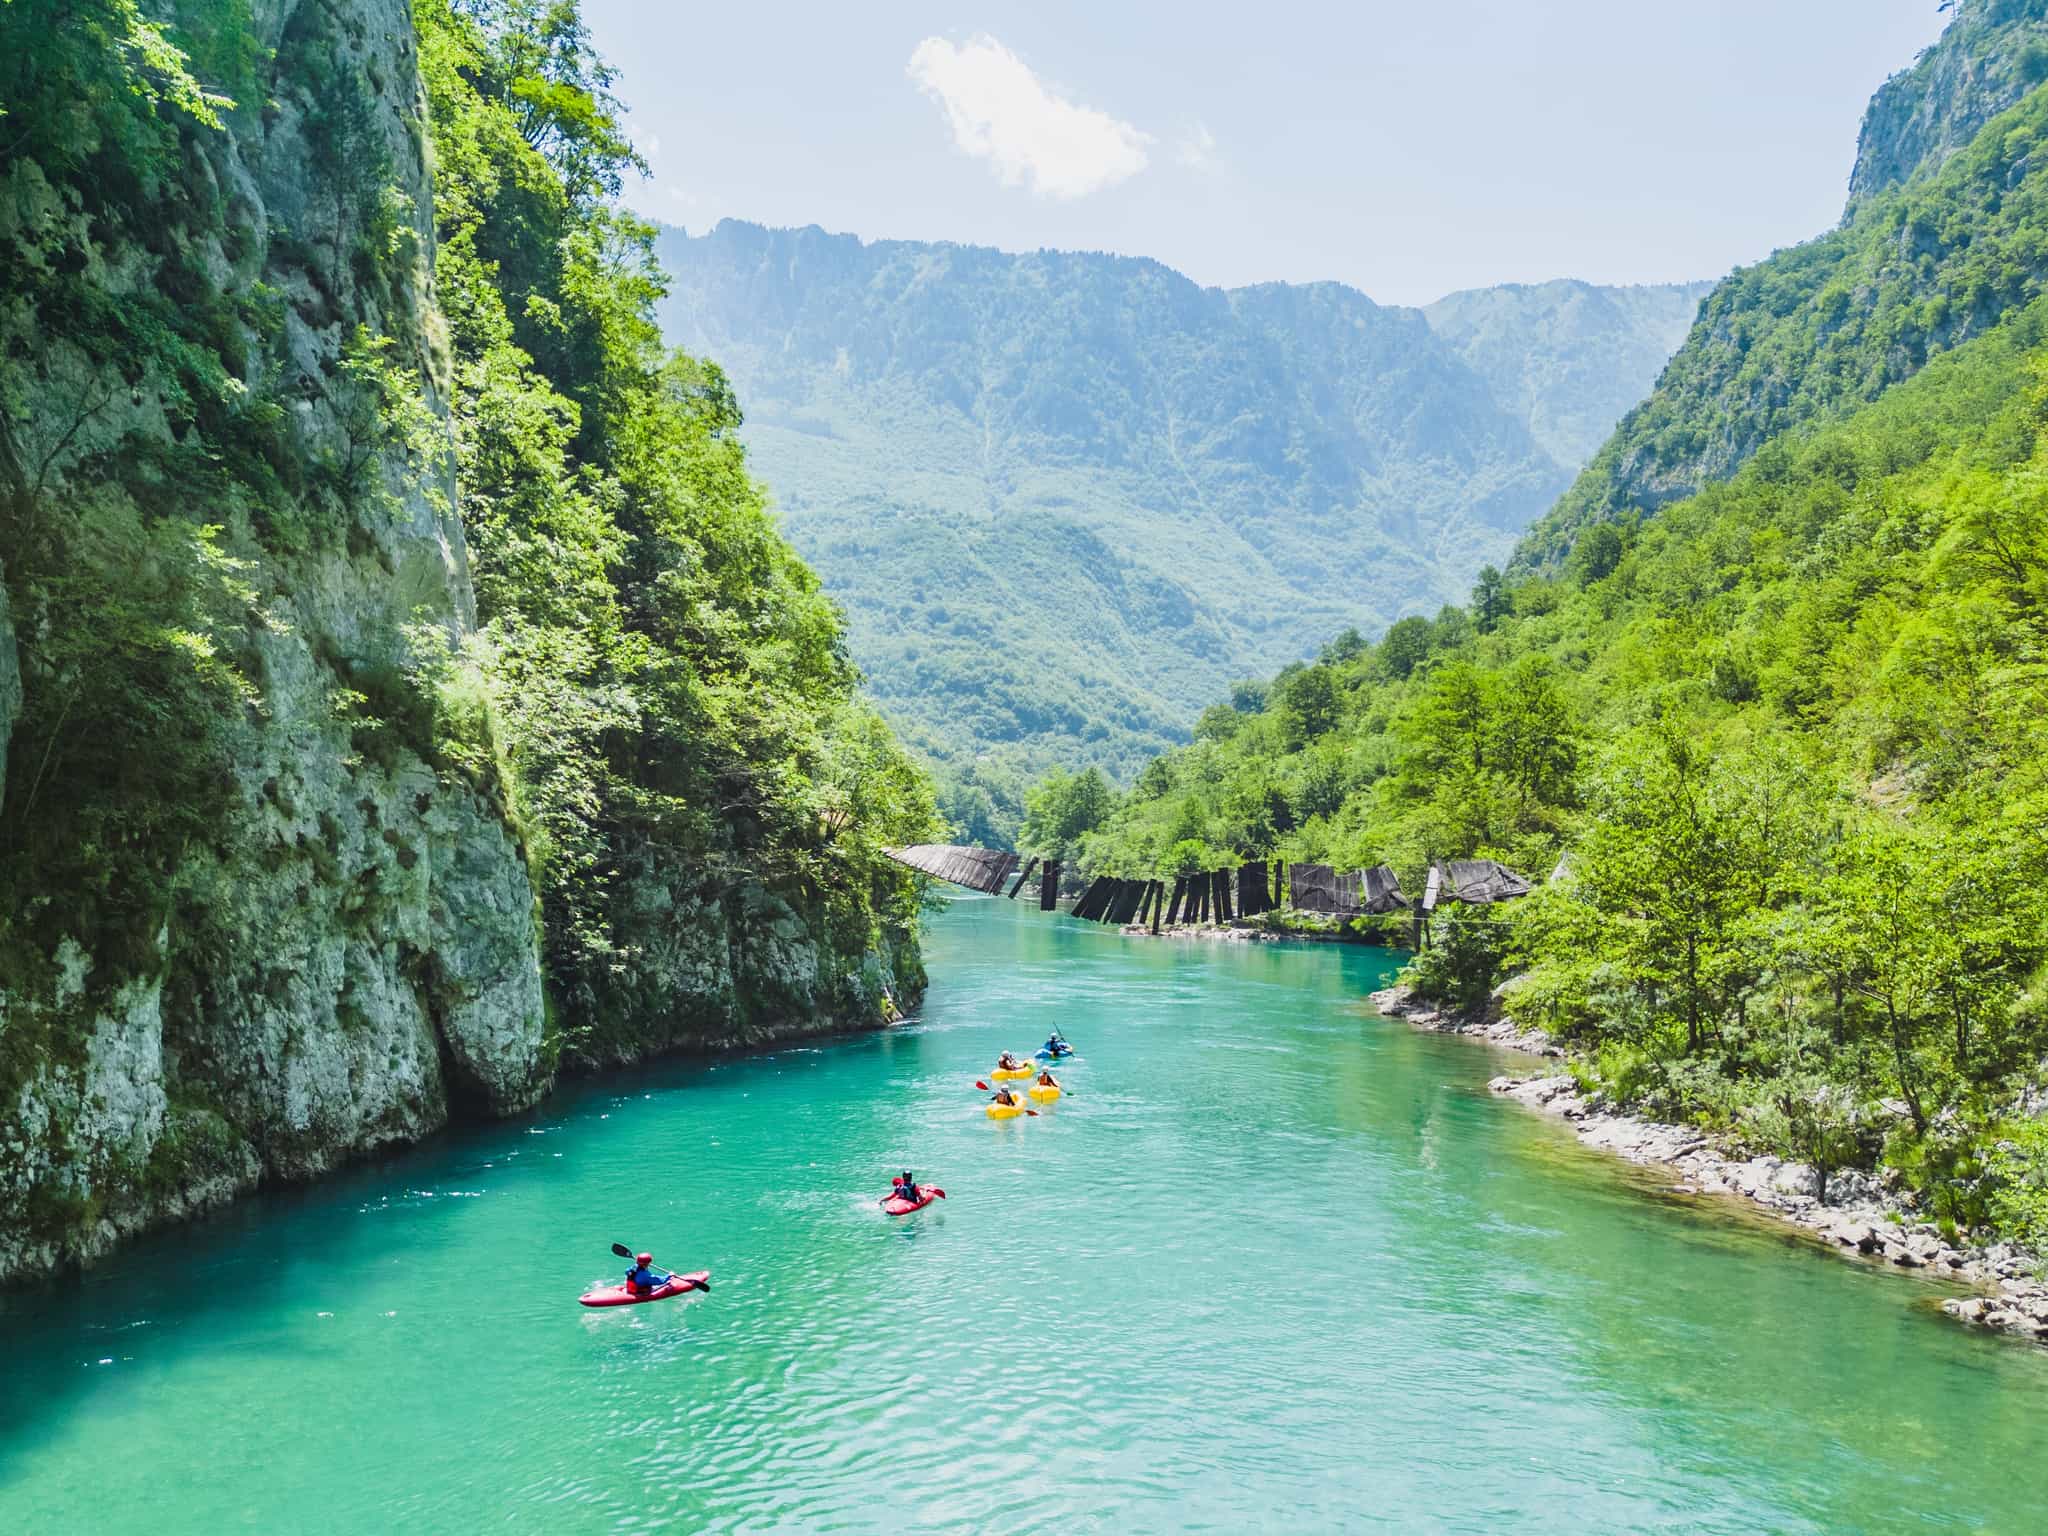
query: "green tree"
1305, 703
1404, 647
1062, 809
1489, 600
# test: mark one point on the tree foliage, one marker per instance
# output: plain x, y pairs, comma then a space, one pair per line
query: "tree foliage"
1788, 737
672, 683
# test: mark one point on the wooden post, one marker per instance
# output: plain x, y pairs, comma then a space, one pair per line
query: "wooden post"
1159, 900
1279, 883
1049, 886
1024, 875
1180, 887
1223, 913
1415, 924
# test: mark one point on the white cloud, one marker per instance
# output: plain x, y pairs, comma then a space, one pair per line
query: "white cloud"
1197, 148
1002, 113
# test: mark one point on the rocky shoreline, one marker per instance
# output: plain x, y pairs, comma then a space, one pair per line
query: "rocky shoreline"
1862, 1218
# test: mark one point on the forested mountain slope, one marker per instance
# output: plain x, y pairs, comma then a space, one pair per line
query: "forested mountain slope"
1949, 233
1066, 498
1787, 737
1791, 736
403, 691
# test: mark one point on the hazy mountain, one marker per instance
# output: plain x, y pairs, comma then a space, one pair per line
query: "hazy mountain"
1066, 499
1568, 357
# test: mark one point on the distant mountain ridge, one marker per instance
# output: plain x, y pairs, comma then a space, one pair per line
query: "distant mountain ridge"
1569, 358
1066, 499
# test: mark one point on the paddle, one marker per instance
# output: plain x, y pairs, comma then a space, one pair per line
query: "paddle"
984, 1087
667, 1274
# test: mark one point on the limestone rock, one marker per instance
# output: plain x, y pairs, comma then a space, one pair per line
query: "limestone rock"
355, 942
1922, 116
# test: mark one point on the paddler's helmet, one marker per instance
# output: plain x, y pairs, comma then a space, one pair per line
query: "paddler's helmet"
643, 1258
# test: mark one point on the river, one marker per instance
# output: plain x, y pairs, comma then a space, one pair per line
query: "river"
1275, 1263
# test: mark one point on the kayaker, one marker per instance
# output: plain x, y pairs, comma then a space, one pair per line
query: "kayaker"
909, 1185
1008, 1063
1004, 1096
1047, 1080
1055, 1046
641, 1277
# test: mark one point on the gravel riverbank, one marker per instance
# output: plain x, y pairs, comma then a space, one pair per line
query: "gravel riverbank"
1862, 1217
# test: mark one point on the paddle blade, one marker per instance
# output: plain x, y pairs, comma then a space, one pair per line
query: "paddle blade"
1032, 1113
940, 1193
981, 1085
622, 1250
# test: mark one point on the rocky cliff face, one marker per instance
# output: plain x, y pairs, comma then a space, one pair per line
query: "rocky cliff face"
366, 953
743, 967
345, 953
1992, 54
1940, 244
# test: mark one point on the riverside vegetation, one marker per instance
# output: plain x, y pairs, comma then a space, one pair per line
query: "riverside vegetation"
403, 691
1771, 686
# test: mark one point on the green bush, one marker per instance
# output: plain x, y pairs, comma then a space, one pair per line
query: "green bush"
1462, 964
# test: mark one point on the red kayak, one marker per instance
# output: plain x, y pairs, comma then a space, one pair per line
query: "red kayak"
623, 1295
898, 1204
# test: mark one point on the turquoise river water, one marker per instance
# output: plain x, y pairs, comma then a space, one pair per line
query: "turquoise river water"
1276, 1264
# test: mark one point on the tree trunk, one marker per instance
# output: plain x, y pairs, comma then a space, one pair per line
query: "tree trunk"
1692, 994
1902, 1056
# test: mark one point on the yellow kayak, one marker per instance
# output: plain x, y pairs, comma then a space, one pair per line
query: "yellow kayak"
1004, 1111
1013, 1072
1043, 1095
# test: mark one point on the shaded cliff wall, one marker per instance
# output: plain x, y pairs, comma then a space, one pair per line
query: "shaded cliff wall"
254, 919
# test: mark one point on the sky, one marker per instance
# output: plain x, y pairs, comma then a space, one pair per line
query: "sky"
1410, 150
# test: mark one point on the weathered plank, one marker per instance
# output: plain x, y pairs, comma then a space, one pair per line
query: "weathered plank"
1484, 881
978, 869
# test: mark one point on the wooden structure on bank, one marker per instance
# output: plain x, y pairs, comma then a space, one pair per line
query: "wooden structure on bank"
1480, 882
1224, 896
979, 869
